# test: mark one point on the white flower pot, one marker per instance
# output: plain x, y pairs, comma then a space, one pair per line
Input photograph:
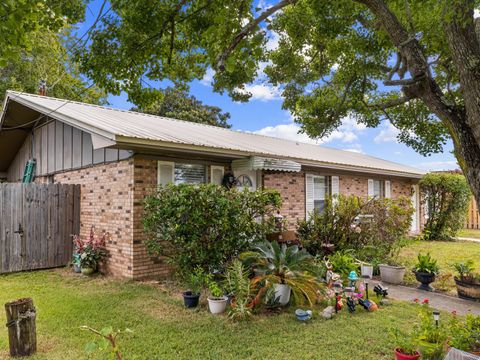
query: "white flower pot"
217, 305
392, 274
367, 270
282, 292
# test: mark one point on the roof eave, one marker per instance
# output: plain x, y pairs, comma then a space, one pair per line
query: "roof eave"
147, 143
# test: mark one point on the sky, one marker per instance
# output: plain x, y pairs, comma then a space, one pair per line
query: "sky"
263, 114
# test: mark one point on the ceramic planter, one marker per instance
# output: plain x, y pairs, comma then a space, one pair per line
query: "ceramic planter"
217, 305
401, 356
392, 274
77, 269
282, 292
425, 279
190, 299
467, 290
366, 270
87, 271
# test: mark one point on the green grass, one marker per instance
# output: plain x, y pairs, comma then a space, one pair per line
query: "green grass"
446, 253
163, 329
469, 233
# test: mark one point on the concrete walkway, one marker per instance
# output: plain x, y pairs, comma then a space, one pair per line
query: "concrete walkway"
468, 239
437, 300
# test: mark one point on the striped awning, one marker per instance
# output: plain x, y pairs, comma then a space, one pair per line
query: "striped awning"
264, 163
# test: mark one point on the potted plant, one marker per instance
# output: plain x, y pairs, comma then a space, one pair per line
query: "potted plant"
393, 271
405, 346
195, 283
468, 282
286, 269
217, 302
425, 271
366, 269
91, 250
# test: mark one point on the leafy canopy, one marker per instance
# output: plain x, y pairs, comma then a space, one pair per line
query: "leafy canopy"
178, 104
333, 58
47, 59
20, 19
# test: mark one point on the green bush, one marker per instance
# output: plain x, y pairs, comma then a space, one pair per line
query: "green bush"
446, 198
206, 225
349, 222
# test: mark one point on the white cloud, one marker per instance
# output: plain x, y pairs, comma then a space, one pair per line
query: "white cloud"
476, 14
388, 133
346, 133
208, 77
438, 165
355, 148
262, 92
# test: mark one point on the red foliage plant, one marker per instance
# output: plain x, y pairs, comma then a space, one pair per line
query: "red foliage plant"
94, 241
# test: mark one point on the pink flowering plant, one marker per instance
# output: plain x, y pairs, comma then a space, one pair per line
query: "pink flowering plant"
90, 251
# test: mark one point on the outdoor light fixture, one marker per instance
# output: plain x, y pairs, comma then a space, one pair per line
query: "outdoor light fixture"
436, 317
366, 280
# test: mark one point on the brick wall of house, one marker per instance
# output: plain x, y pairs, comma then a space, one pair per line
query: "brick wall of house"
292, 189
107, 203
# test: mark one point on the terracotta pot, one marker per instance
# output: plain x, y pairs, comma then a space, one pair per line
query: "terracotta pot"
425, 279
401, 356
392, 274
467, 290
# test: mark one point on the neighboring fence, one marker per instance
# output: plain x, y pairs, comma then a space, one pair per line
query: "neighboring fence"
473, 217
36, 224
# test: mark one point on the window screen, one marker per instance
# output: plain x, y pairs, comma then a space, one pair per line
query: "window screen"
189, 174
379, 188
320, 191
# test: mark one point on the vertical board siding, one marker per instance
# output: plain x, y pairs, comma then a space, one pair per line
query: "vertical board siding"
48, 215
58, 147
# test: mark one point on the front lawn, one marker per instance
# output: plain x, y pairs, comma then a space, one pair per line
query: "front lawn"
163, 329
446, 253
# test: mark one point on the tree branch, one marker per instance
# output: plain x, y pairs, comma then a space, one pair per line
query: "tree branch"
404, 82
392, 103
246, 30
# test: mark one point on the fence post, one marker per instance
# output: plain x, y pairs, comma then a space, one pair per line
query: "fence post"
22, 334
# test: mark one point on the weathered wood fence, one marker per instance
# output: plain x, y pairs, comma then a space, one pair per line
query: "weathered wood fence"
36, 224
473, 216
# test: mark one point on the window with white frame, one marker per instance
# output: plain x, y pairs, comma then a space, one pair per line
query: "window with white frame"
181, 173
378, 188
317, 189
321, 189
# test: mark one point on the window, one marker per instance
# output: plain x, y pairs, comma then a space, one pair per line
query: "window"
321, 189
216, 174
379, 188
189, 174
179, 173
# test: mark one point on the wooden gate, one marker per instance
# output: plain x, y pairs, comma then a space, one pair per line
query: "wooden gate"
37, 222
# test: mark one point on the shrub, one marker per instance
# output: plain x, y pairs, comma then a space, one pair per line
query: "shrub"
446, 198
343, 263
206, 225
351, 222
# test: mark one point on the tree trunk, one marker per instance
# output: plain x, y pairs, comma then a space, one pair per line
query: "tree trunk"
21, 327
462, 121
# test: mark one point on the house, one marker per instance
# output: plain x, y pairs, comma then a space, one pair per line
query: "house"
120, 156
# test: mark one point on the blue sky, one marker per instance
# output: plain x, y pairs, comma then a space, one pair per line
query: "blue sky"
263, 114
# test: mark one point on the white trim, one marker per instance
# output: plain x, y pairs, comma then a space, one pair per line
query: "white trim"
370, 190
415, 203
388, 192
216, 167
159, 166
309, 202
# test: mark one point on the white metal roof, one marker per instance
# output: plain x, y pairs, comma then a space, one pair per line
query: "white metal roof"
127, 127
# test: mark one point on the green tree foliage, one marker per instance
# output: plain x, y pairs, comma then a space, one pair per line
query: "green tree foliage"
47, 59
413, 63
178, 104
20, 19
206, 225
350, 222
446, 198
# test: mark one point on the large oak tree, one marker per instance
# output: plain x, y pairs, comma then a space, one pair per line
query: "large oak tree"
413, 63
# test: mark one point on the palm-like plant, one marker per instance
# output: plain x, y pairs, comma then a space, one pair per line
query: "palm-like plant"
283, 265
